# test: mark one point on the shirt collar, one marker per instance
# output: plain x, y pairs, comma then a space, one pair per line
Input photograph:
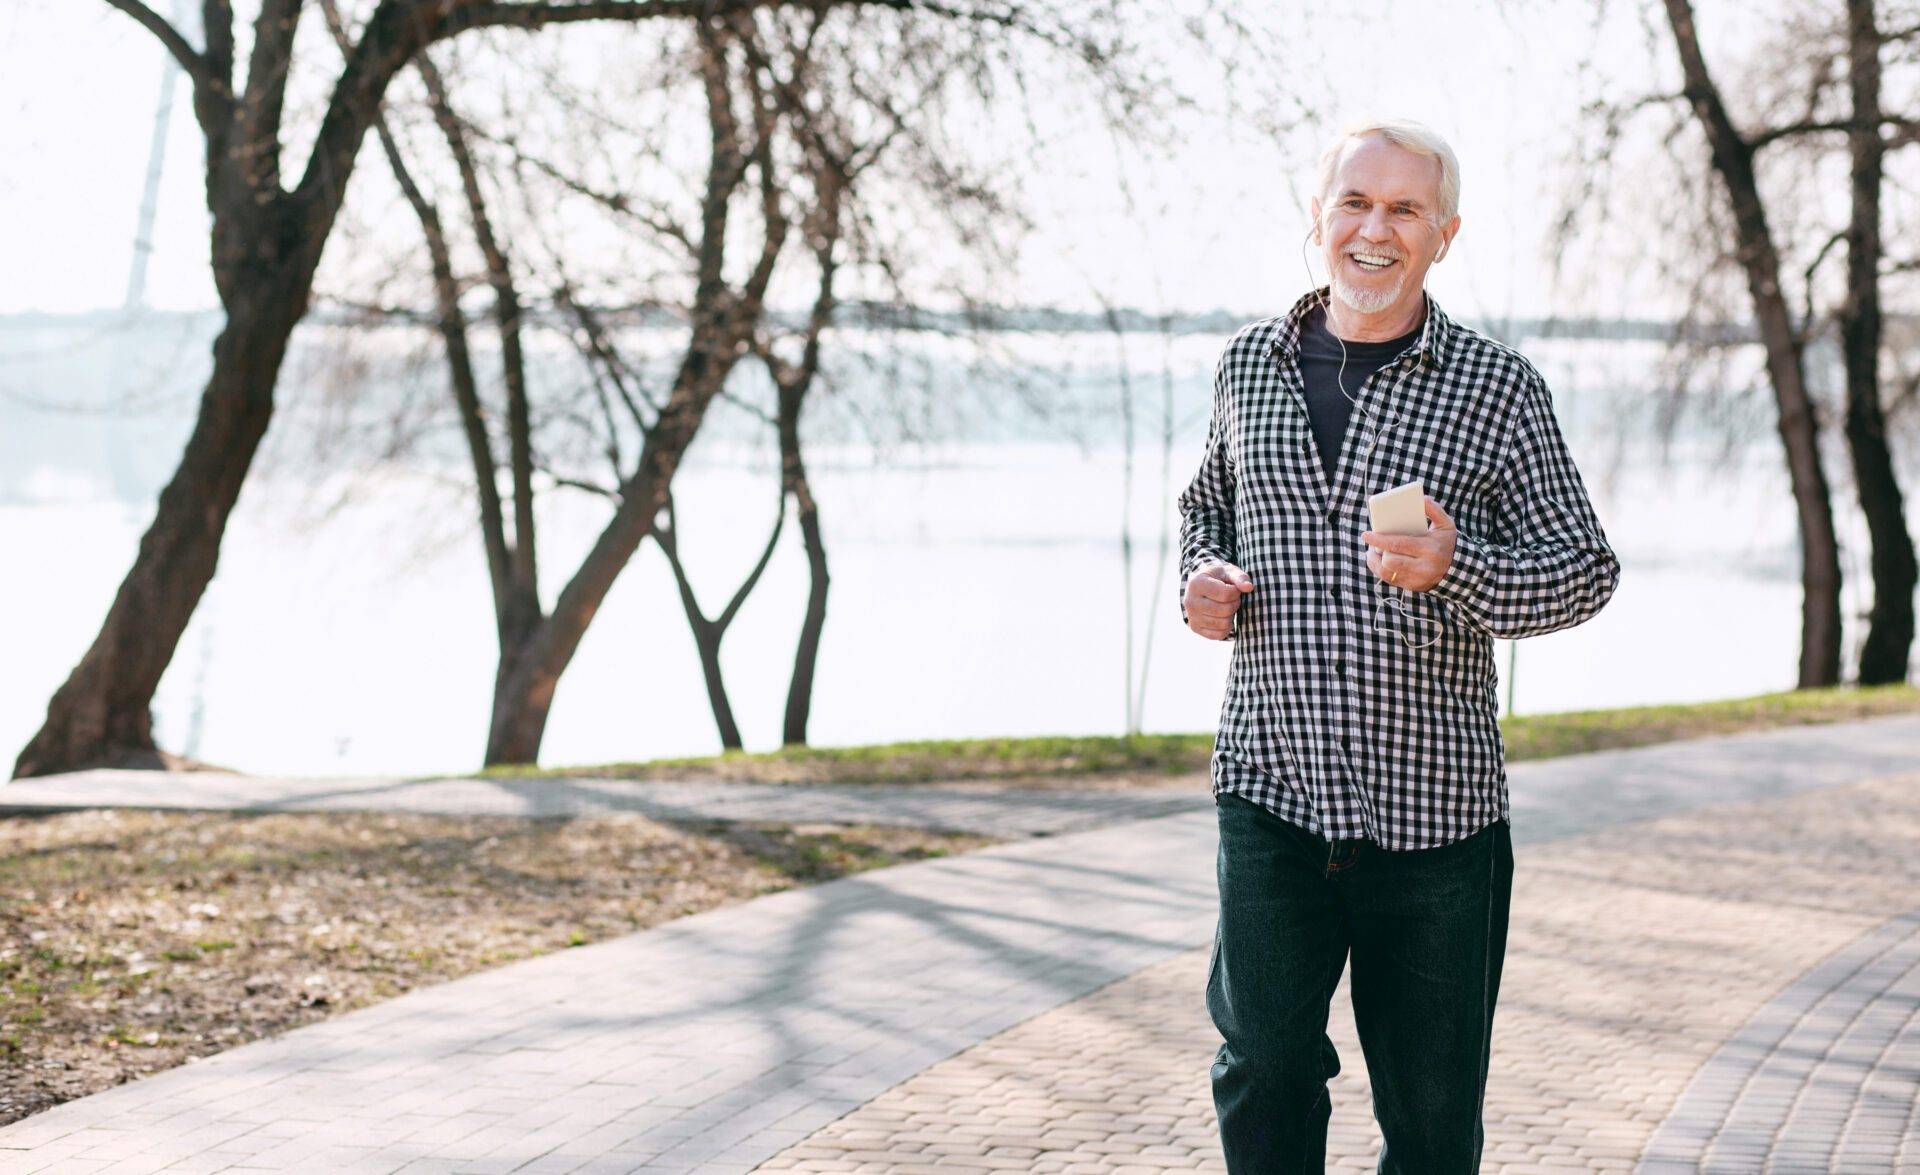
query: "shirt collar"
1434, 344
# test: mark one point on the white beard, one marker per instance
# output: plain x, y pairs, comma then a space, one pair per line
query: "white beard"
1366, 300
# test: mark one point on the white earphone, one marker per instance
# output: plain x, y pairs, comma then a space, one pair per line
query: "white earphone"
1366, 419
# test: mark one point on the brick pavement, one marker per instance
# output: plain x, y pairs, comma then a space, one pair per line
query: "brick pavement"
1824, 1077
1550, 798
739, 1037
707, 1043
1644, 960
977, 807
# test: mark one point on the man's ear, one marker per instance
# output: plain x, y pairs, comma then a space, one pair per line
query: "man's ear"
1446, 236
1314, 208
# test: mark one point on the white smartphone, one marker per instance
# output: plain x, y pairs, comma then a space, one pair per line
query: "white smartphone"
1400, 510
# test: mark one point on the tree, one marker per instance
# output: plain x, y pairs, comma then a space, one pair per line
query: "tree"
1889, 642
266, 242
1732, 155
1887, 647
849, 114
1815, 83
536, 645
803, 112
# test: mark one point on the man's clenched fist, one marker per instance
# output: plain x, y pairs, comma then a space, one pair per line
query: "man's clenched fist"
1213, 596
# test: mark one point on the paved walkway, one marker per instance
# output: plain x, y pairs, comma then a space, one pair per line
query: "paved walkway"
1711, 966
989, 809
1720, 990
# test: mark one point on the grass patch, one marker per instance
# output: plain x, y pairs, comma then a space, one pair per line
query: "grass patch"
1154, 757
1549, 735
920, 761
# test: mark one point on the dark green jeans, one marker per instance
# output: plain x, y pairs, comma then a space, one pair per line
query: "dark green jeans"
1428, 932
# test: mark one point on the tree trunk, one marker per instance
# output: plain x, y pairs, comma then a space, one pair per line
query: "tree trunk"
807, 652
1799, 435
709, 634
265, 244
102, 716
529, 675
707, 638
1889, 643
723, 319
523, 689
528, 679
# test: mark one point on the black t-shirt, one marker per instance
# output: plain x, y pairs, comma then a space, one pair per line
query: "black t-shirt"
1327, 409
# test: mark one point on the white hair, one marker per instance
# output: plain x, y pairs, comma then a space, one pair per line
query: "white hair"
1411, 136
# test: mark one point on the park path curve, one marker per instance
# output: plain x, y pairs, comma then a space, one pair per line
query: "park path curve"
718, 1041
977, 807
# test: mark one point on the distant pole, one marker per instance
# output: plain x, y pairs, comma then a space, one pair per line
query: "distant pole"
1513, 663
156, 161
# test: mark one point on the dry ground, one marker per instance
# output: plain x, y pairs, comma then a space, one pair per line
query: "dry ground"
133, 941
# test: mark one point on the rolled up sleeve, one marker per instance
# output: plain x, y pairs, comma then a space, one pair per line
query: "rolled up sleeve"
1544, 564
1206, 505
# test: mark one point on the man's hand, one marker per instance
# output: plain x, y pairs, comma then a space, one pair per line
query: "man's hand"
1213, 595
1415, 562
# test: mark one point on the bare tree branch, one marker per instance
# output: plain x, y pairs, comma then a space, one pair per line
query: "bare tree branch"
190, 60
451, 324
574, 483
648, 214
1904, 131
506, 306
1807, 325
257, 119
599, 346
1009, 16
604, 366
216, 26
753, 577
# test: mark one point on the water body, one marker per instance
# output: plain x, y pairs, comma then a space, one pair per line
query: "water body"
978, 583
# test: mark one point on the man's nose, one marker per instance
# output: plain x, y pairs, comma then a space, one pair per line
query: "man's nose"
1375, 227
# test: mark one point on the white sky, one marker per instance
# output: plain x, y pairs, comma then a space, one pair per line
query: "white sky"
1219, 225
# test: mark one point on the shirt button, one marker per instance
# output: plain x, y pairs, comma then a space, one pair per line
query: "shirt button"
1334, 592
1346, 742
1340, 664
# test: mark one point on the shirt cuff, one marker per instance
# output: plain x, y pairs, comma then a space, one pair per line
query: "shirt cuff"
1468, 580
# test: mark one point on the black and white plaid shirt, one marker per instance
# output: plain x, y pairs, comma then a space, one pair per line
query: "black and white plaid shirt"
1356, 708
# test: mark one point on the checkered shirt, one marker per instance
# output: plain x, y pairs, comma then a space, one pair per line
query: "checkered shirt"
1331, 719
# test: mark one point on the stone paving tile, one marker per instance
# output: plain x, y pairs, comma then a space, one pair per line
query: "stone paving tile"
712, 1040
1825, 1077
1634, 953
974, 806
694, 1034
1551, 798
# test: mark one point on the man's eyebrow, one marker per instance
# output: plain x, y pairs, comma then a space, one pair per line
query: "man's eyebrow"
1409, 201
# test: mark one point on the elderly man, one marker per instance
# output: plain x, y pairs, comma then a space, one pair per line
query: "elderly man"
1359, 773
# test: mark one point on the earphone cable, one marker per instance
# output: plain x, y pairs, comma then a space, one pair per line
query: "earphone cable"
1375, 433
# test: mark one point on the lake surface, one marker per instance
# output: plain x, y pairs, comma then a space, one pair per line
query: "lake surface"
978, 583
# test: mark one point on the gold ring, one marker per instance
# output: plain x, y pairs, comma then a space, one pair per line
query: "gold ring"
1393, 576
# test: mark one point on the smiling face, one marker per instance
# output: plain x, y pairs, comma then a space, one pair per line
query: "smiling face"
1379, 227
